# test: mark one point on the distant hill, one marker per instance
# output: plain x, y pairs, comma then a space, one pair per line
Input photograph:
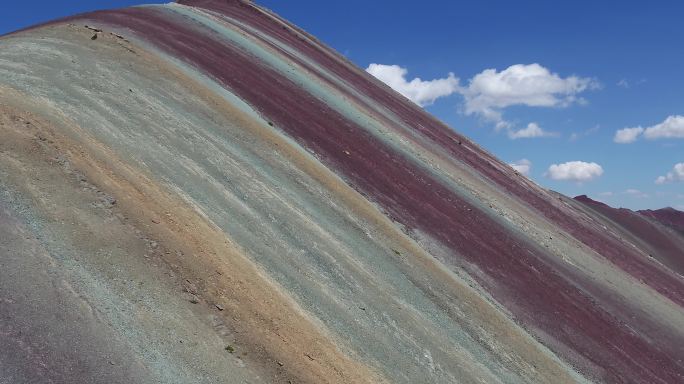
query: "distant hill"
668, 216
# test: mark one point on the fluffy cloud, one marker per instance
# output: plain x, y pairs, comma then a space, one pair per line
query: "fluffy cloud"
671, 128
532, 130
490, 91
578, 171
419, 91
523, 166
627, 135
521, 84
677, 174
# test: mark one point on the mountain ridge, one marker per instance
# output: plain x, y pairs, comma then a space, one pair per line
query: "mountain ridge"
223, 195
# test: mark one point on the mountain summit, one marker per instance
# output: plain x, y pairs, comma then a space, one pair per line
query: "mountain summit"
201, 192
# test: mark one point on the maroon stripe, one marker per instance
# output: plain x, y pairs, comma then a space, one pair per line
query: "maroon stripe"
664, 245
605, 244
513, 270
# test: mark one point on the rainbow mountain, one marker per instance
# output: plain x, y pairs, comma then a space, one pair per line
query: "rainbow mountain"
202, 192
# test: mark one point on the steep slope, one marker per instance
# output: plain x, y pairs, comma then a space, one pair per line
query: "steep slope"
202, 192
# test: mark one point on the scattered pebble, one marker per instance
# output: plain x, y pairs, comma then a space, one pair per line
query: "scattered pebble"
189, 287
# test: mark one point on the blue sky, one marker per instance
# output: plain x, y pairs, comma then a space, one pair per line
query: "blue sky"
599, 68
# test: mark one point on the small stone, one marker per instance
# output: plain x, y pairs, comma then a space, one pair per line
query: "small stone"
194, 299
189, 287
94, 37
280, 363
219, 307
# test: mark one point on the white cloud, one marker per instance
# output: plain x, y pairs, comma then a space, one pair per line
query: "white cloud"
521, 84
419, 91
626, 84
523, 166
636, 193
627, 135
578, 135
532, 130
491, 91
677, 174
671, 128
606, 194
578, 171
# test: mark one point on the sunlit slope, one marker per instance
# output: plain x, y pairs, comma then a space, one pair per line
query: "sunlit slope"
203, 193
